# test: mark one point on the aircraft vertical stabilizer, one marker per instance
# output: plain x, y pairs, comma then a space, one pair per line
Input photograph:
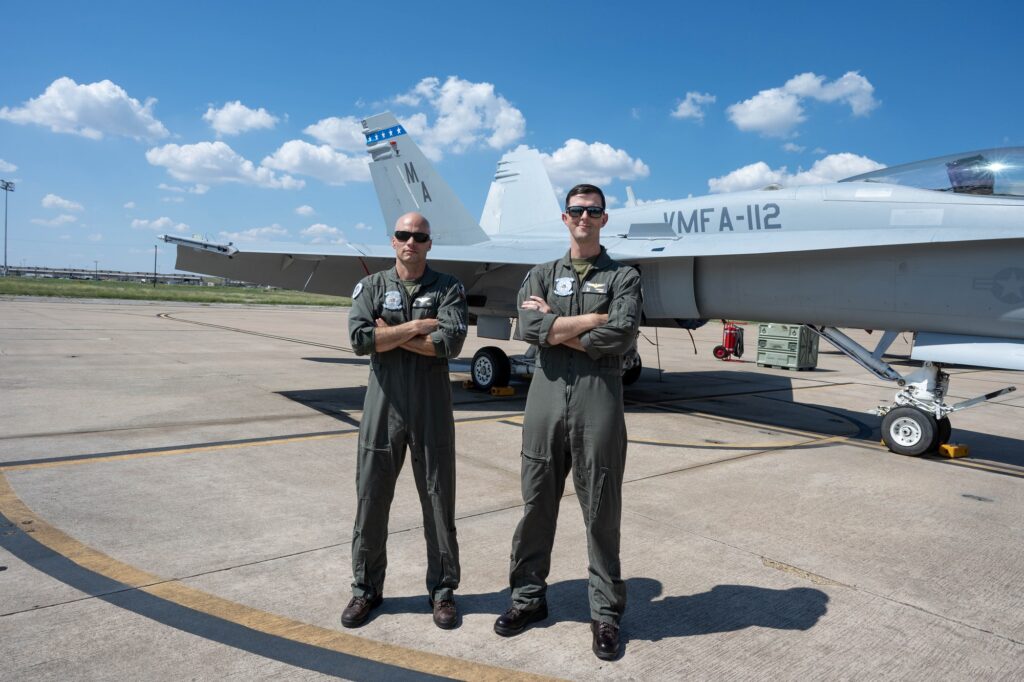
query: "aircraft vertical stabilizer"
521, 197
406, 181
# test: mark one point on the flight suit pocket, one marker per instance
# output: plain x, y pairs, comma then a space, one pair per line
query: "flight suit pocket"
596, 302
597, 493
374, 470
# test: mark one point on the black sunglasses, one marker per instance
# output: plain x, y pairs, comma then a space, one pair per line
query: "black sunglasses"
592, 211
418, 237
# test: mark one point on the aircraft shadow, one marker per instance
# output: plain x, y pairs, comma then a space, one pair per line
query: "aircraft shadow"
760, 399
652, 617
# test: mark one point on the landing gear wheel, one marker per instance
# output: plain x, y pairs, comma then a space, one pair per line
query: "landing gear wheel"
943, 432
630, 376
490, 368
909, 431
720, 352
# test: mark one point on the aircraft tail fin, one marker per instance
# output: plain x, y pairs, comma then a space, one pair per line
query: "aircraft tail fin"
406, 181
521, 197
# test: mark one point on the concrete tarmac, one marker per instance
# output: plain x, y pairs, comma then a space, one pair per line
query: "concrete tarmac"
177, 497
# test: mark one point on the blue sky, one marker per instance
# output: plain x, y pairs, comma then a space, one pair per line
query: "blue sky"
120, 121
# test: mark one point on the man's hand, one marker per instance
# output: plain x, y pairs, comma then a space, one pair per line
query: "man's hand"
536, 303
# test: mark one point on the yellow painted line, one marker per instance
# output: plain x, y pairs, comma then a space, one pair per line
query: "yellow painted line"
178, 451
1009, 471
215, 448
279, 626
744, 446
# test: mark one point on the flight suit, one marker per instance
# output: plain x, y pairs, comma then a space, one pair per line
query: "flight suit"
574, 420
408, 404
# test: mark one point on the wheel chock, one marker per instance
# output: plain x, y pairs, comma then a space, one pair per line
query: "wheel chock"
953, 451
502, 390
468, 383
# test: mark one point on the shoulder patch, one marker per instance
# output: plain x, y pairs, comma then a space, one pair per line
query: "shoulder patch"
358, 290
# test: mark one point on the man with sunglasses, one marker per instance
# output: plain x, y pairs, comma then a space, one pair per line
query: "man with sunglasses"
409, 320
583, 312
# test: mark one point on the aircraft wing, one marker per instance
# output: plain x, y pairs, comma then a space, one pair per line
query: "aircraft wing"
486, 269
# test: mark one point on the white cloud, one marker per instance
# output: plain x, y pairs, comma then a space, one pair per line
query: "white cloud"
829, 169
173, 200
95, 237
234, 118
770, 112
162, 224
851, 88
6, 167
195, 189
344, 133
794, 148
777, 111
693, 105
129, 205
597, 163
215, 162
62, 219
322, 163
255, 234
363, 226
305, 210
54, 201
92, 111
467, 114
324, 234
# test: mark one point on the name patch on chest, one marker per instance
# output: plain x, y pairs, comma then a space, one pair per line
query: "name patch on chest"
595, 288
393, 300
563, 286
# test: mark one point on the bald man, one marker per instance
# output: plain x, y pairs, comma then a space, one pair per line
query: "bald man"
409, 320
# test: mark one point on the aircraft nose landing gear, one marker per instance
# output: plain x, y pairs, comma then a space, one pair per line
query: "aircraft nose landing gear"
910, 431
918, 420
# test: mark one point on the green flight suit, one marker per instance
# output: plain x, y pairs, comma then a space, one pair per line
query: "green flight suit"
574, 420
408, 404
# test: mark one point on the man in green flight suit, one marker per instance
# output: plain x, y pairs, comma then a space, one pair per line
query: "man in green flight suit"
582, 311
409, 320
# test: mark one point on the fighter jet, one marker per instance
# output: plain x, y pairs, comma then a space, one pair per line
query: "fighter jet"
934, 247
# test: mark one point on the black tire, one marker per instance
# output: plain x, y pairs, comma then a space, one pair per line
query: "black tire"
909, 431
630, 376
720, 352
943, 432
490, 368
739, 343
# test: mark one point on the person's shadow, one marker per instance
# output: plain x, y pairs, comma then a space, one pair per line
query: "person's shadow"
651, 617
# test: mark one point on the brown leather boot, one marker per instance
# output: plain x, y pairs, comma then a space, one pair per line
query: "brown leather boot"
358, 610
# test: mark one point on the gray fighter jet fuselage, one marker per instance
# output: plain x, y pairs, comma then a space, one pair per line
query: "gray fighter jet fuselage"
935, 247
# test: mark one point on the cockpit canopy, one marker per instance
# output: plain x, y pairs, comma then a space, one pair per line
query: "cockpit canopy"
990, 172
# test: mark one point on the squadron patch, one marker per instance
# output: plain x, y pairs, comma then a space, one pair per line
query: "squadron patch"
563, 286
358, 290
393, 300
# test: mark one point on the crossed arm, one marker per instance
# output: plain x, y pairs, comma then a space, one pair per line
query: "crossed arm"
413, 336
566, 330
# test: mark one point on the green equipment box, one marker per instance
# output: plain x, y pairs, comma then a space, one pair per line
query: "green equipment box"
790, 346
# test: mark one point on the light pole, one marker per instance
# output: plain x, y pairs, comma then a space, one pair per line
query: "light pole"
97, 264
6, 186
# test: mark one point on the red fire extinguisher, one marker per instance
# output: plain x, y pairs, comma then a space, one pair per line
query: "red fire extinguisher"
732, 341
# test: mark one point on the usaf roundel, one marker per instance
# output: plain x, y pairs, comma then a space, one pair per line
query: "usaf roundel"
393, 300
563, 286
358, 290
